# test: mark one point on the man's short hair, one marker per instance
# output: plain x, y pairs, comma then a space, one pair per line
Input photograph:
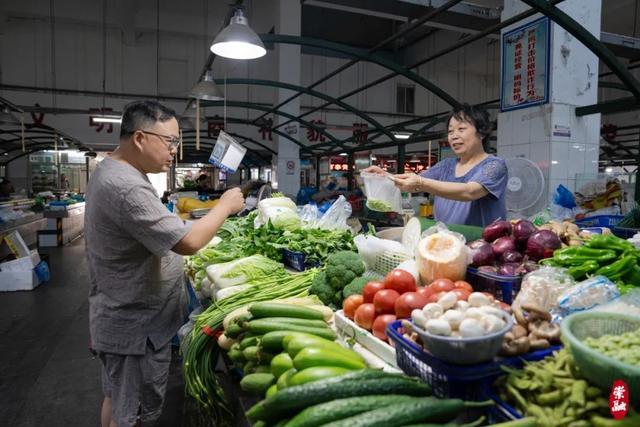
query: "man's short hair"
142, 115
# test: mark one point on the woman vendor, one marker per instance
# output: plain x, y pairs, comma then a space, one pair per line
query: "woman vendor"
469, 189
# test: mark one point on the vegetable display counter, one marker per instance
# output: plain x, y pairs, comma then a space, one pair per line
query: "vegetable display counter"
64, 223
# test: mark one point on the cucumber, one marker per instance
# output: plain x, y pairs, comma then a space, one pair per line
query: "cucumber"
271, 390
280, 364
257, 383
428, 409
323, 413
314, 356
296, 344
292, 400
272, 309
261, 326
316, 373
249, 342
236, 355
273, 341
234, 330
312, 323
531, 422
283, 380
262, 369
249, 368
251, 353
286, 341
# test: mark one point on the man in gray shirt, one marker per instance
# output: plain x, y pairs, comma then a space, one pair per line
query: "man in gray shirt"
134, 246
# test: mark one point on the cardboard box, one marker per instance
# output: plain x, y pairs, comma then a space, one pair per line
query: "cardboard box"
16, 244
19, 274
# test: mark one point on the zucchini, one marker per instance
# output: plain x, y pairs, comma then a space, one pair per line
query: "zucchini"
316, 373
342, 408
312, 323
295, 345
314, 356
271, 390
261, 326
251, 353
273, 309
257, 383
292, 400
428, 409
249, 342
280, 364
273, 341
283, 380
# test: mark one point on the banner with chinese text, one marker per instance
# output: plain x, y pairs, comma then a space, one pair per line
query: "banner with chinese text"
525, 66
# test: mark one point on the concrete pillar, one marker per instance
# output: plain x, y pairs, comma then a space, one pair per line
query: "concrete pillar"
19, 173
561, 144
289, 65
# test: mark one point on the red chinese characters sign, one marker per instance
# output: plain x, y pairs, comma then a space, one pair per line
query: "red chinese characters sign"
619, 400
525, 66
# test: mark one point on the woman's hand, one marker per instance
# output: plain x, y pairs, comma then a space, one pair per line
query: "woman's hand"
408, 182
375, 169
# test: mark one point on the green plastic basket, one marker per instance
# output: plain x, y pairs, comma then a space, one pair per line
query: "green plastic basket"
600, 369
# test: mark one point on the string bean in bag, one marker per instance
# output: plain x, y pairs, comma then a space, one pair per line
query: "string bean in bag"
381, 193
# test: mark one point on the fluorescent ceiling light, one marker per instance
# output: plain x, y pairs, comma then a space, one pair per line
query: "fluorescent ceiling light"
238, 40
344, 154
402, 135
206, 89
608, 170
106, 119
373, 157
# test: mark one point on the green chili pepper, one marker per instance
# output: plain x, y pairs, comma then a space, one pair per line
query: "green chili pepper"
576, 255
633, 275
599, 241
580, 271
617, 269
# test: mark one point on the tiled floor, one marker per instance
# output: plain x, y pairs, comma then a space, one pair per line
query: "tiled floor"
47, 375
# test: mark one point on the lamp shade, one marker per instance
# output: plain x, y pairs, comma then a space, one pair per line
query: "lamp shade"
7, 118
206, 89
238, 40
414, 159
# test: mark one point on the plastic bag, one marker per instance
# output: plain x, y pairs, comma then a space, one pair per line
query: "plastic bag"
543, 287
381, 193
442, 254
587, 294
380, 255
335, 218
628, 303
309, 215
281, 211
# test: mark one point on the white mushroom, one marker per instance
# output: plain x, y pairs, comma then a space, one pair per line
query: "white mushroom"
419, 318
488, 309
473, 313
432, 310
454, 317
438, 327
478, 299
492, 323
471, 328
448, 300
462, 306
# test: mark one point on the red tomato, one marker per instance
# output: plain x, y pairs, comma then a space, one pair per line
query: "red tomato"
350, 304
462, 294
425, 292
442, 285
370, 290
380, 325
384, 300
407, 303
435, 297
364, 316
461, 284
400, 281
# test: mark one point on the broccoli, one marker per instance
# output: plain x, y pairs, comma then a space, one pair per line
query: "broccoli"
356, 286
322, 289
342, 267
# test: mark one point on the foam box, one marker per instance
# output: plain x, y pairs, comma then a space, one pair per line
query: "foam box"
19, 274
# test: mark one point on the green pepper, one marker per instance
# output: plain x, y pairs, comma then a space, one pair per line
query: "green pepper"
576, 255
617, 269
599, 241
633, 275
624, 287
550, 262
580, 271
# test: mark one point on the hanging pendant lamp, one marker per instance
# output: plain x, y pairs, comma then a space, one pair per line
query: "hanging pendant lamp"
7, 118
206, 89
238, 40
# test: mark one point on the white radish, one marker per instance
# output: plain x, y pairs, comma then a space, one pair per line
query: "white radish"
478, 299
448, 300
454, 317
432, 310
438, 327
471, 328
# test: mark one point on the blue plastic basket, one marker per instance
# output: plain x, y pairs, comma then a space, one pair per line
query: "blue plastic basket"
624, 232
450, 380
297, 260
599, 221
504, 288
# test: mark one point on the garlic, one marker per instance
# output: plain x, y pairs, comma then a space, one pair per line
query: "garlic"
432, 310
438, 327
478, 299
454, 317
471, 328
448, 300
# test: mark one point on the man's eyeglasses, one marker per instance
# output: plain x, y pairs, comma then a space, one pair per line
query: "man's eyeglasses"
174, 141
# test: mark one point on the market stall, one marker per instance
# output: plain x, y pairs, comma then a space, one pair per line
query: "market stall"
519, 323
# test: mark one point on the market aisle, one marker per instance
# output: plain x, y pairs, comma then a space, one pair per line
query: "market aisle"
48, 377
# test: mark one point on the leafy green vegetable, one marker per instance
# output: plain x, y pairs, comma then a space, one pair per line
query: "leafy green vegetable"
379, 205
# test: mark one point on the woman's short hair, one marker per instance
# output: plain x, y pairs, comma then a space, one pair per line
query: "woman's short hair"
477, 116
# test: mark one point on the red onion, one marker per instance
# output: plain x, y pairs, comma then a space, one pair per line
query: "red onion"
502, 245
488, 269
496, 229
522, 230
512, 256
541, 244
482, 253
510, 269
